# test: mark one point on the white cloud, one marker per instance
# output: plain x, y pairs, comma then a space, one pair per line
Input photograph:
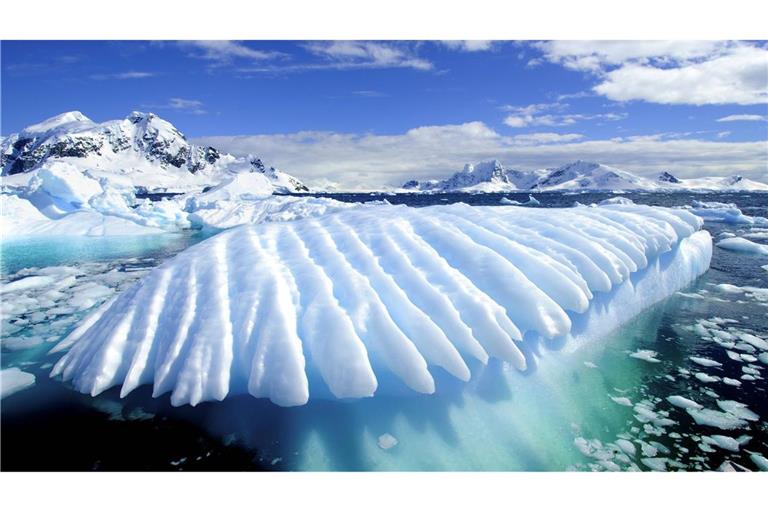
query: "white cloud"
534, 115
128, 75
546, 138
669, 72
469, 45
364, 54
224, 52
595, 55
369, 160
742, 117
181, 105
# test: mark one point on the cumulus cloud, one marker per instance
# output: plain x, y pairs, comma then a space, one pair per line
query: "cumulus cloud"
370, 160
742, 117
669, 72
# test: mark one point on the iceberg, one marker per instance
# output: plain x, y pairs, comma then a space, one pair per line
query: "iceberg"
377, 300
727, 213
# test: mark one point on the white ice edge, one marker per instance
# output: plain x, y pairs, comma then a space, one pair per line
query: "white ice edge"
341, 304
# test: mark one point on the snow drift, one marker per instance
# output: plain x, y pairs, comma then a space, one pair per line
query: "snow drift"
342, 303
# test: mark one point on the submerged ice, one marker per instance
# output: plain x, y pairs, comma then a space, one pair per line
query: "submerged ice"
347, 302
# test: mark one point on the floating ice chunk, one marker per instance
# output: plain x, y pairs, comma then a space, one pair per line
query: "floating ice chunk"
740, 244
764, 267
13, 380
712, 418
703, 361
727, 213
753, 340
532, 201
731, 382
590, 364
763, 357
703, 377
656, 463
737, 409
760, 461
683, 403
268, 308
622, 400
27, 283
645, 355
627, 447
387, 441
616, 200
726, 442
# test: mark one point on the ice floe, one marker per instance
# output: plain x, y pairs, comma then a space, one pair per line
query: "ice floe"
721, 420
384, 290
684, 403
739, 244
645, 355
13, 380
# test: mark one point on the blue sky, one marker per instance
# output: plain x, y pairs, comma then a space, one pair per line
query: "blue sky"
353, 110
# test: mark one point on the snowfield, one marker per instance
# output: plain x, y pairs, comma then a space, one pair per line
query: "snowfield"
352, 303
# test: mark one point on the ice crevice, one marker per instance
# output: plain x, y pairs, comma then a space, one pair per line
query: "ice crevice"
339, 305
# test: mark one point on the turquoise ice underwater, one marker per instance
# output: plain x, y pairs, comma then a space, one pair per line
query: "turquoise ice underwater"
602, 405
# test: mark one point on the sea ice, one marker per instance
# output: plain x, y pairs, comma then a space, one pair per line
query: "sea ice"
268, 308
727, 213
13, 380
737, 409
684, 403
740, 244
703, 377
645, 355
703, 361
760, 461
712, 418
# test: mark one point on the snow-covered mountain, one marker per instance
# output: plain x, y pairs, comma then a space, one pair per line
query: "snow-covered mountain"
142, 150
492, 176
486, 176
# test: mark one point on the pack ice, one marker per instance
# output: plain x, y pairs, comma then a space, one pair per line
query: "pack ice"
345, 304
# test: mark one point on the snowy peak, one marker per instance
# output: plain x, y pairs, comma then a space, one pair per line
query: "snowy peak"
66, 121
589, 175
666, 177
143, 145
487, 176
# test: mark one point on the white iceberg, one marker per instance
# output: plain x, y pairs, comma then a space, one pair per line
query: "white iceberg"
727, 213
349, 300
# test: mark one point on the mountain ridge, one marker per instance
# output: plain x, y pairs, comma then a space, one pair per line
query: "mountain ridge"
492, 176
143, 149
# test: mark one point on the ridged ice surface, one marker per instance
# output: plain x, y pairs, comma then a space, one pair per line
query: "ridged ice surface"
338, 303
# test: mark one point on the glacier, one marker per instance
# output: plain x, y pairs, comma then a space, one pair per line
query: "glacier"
379, 300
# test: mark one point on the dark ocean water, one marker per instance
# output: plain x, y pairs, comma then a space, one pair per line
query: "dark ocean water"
564, 420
